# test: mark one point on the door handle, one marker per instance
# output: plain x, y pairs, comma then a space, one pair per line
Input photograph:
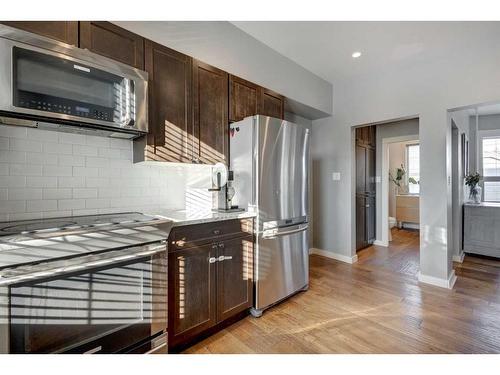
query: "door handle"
271, 233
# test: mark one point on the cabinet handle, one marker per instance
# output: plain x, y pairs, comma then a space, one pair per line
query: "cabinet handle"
224, 257
216, 231
214, 246
221, 258
95, 350
221, 245
212, 260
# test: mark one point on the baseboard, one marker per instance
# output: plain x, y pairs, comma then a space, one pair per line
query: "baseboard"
380, 243
459, 258
436, 281
332, 255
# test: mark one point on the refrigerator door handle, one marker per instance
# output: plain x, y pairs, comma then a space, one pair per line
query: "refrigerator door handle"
272, 233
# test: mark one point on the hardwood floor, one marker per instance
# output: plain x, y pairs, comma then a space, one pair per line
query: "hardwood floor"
376, 306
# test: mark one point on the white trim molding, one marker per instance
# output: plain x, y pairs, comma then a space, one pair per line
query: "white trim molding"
332, 255
436, 281
459, 258
381, 243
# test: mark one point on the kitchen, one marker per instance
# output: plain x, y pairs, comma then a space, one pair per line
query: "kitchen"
99, 122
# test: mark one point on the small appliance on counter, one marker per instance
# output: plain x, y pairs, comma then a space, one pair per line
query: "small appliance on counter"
222, 185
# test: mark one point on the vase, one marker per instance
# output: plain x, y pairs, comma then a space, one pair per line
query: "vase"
475, 194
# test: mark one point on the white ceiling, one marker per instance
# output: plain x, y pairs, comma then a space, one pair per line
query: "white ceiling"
325, 48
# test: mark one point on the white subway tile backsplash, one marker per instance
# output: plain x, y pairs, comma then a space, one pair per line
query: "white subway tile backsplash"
20, 144
12, 181
71, 182
85, 193
85, 171
4, 143
41, 205
46, 174
25, 170
73, 160
77, 139
12, 207
71, 204
57, 148
58, 170
41, 182
25, 193
42, 158
13, 131
8, 156
85, 150
57, 193
97, 203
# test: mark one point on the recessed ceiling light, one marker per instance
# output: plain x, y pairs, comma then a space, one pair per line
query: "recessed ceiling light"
355, 55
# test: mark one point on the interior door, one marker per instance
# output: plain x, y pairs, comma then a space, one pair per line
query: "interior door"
283, 169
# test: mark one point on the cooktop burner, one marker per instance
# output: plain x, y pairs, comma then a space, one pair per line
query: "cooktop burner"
76, 222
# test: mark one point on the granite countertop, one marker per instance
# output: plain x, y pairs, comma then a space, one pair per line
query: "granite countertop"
483, 204
22, 254
190, 217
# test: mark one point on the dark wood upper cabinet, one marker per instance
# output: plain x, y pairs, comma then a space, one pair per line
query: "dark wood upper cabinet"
234, 277
210, 104
271, 104
192, 292
63, 31
170, 104
243, 98
112, 41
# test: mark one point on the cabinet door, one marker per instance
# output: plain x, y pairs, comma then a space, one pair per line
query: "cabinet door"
192, 292
210, 99
370, 219
360, 222
235, 277
63, 31
112, 41
243, 98
271, 104
361, 170
170, 103
370, 171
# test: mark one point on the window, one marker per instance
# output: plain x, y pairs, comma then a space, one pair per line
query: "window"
413, 168
490, 165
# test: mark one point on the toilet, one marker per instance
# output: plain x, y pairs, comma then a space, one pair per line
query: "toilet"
392, 224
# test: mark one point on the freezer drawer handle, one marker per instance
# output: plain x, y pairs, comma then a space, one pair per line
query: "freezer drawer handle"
275, 233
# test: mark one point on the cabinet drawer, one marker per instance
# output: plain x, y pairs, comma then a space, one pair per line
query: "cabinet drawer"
184, 236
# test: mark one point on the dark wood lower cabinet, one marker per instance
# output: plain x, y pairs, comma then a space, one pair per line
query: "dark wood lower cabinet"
209, 284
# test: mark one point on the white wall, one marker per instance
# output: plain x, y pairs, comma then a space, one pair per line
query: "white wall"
227, 47
50, 174
427, 91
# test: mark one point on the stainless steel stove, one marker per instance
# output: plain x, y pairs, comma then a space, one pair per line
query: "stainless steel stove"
103, 276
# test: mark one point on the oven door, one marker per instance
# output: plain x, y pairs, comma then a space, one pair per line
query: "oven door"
109, 309
64, 86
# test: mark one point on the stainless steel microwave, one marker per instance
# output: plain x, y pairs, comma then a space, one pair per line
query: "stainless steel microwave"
51, 82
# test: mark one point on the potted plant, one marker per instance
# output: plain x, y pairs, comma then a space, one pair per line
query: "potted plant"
472, 181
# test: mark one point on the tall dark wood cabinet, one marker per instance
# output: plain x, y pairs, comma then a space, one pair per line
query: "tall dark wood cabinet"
210, 107
112, 41
63, 31
365, 186
170, 135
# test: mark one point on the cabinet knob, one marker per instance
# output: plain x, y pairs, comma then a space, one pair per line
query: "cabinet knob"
212, 260
221, 245
216, 231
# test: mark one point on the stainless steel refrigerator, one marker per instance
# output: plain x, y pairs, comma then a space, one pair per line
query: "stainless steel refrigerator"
270, 160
